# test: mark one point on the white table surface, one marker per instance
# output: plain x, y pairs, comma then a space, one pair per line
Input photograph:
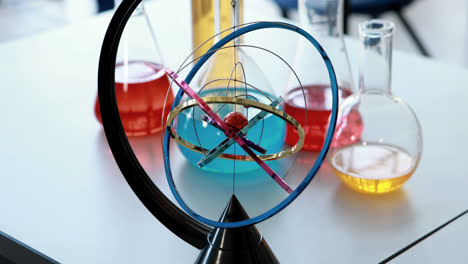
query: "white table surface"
452, 240
62, 193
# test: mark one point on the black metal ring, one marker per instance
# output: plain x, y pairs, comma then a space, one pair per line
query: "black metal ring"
185, 227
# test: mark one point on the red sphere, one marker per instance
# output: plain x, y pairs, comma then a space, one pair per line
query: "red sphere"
236, 120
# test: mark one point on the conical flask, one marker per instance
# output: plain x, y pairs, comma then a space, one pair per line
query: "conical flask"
230, 72
323, 20
140, 81
390, 146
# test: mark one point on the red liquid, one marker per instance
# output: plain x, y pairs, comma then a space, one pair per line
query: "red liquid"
319, 104
140, 91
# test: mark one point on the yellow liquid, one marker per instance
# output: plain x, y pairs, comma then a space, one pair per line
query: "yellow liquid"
203, 22
372, 168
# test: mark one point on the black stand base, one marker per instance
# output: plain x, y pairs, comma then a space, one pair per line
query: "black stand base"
235, 245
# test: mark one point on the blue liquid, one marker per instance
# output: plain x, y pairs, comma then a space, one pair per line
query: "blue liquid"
269, 133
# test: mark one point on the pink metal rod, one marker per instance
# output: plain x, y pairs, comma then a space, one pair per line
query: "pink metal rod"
226, 129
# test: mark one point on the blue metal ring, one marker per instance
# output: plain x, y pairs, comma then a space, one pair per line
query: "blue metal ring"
323, 151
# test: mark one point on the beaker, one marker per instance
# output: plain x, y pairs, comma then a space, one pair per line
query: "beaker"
390, 146
323, 19
141, 84
229, 72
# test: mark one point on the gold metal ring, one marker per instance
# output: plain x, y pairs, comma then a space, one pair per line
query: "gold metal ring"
240, 101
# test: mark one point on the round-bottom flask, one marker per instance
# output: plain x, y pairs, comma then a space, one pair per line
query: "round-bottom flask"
390, 146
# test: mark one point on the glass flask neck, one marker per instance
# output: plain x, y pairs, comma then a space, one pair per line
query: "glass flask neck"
139, 41
236, 11
209, 17
323, 17
227, 13
375, 74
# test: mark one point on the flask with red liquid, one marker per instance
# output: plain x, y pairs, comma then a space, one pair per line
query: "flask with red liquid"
311, 106
141, 85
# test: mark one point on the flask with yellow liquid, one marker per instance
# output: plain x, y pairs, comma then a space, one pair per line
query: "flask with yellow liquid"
390, 146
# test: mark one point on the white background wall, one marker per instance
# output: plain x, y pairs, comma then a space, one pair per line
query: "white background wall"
442, 25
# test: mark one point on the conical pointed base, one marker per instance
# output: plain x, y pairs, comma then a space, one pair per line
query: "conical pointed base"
235, 245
